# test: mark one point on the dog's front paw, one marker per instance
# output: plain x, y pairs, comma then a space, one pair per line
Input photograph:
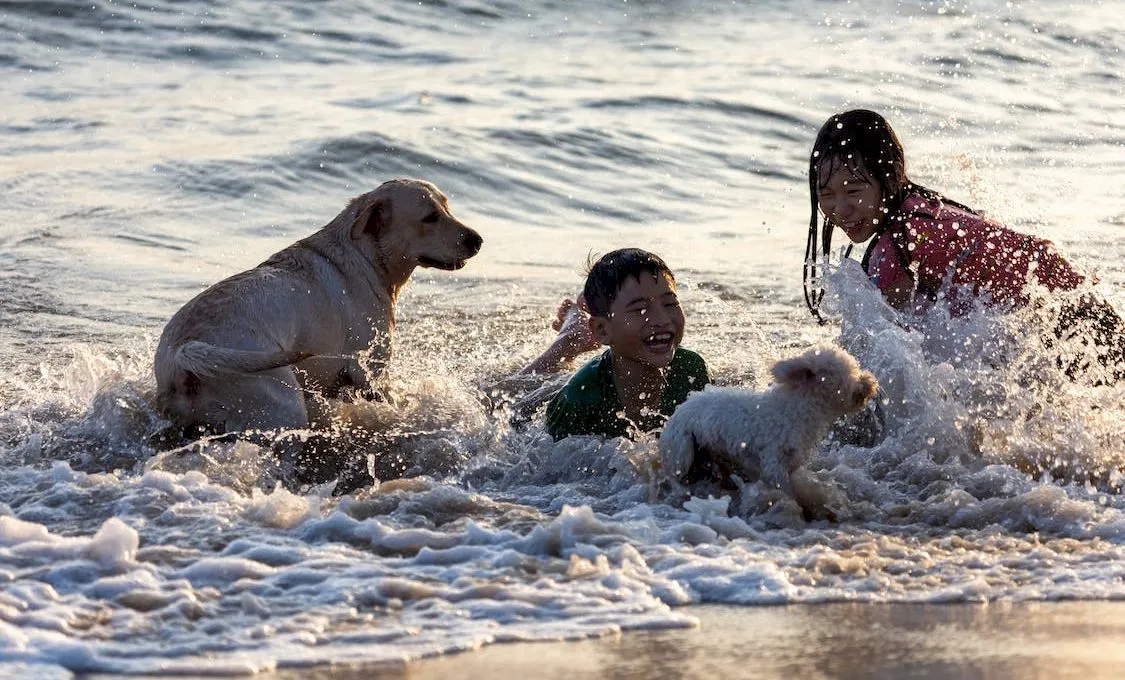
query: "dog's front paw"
819, 499
677, 451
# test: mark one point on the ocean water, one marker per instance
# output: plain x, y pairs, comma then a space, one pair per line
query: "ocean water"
150, 149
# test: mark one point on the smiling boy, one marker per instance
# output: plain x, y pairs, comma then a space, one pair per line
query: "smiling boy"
644, 375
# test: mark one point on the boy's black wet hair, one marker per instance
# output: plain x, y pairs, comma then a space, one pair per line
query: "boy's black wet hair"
605, 277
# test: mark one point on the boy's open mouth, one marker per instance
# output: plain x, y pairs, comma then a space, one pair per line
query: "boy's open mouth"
659, 342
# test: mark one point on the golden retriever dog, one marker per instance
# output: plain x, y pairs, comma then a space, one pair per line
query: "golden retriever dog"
312, 320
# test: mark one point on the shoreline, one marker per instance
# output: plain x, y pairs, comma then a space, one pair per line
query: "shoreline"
1070, 639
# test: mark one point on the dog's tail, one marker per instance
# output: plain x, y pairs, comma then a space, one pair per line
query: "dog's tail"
207, 360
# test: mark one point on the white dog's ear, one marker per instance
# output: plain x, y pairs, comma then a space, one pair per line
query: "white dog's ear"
867, 387
793, 372
372, 218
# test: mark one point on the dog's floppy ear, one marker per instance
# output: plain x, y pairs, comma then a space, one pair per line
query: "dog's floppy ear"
372, 218
867, 388
793, 372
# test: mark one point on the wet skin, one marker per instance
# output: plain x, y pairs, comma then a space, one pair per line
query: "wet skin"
644, 327
850, 199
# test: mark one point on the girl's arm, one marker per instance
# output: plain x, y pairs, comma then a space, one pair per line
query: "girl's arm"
934, 247
892, 268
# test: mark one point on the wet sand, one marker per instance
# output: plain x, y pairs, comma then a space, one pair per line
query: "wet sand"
1000, 640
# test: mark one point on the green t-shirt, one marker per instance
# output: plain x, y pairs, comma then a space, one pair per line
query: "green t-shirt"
589, 404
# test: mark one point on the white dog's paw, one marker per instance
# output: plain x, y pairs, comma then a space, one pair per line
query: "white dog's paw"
677, 450
819, 498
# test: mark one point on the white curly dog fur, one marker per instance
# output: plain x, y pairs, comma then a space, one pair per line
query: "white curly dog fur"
767, 435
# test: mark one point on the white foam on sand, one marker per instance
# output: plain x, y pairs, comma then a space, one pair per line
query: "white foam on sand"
200, 563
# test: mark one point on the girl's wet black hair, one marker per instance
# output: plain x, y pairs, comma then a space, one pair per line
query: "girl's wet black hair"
605, 277
864, 143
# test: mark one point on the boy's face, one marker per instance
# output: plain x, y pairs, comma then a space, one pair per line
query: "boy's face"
645, 323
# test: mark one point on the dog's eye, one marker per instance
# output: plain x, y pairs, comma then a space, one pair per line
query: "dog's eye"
431, 218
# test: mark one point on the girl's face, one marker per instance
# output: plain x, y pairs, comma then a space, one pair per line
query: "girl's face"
851, 199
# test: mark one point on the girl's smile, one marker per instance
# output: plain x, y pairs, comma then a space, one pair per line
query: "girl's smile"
850, 199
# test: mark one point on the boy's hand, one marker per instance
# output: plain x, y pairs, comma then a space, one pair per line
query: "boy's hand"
574, 338
572, 321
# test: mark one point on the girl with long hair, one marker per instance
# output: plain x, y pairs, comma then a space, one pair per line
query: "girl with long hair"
923, 247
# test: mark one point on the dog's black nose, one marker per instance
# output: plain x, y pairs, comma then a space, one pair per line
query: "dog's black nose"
473, 242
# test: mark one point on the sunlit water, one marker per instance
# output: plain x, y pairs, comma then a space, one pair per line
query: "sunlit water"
150, 149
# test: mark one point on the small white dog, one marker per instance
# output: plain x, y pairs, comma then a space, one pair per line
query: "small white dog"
767, 435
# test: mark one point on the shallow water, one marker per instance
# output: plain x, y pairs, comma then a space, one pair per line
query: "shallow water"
150, 150
840, 640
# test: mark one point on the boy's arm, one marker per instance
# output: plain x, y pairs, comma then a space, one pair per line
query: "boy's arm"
575, 338
561, 352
